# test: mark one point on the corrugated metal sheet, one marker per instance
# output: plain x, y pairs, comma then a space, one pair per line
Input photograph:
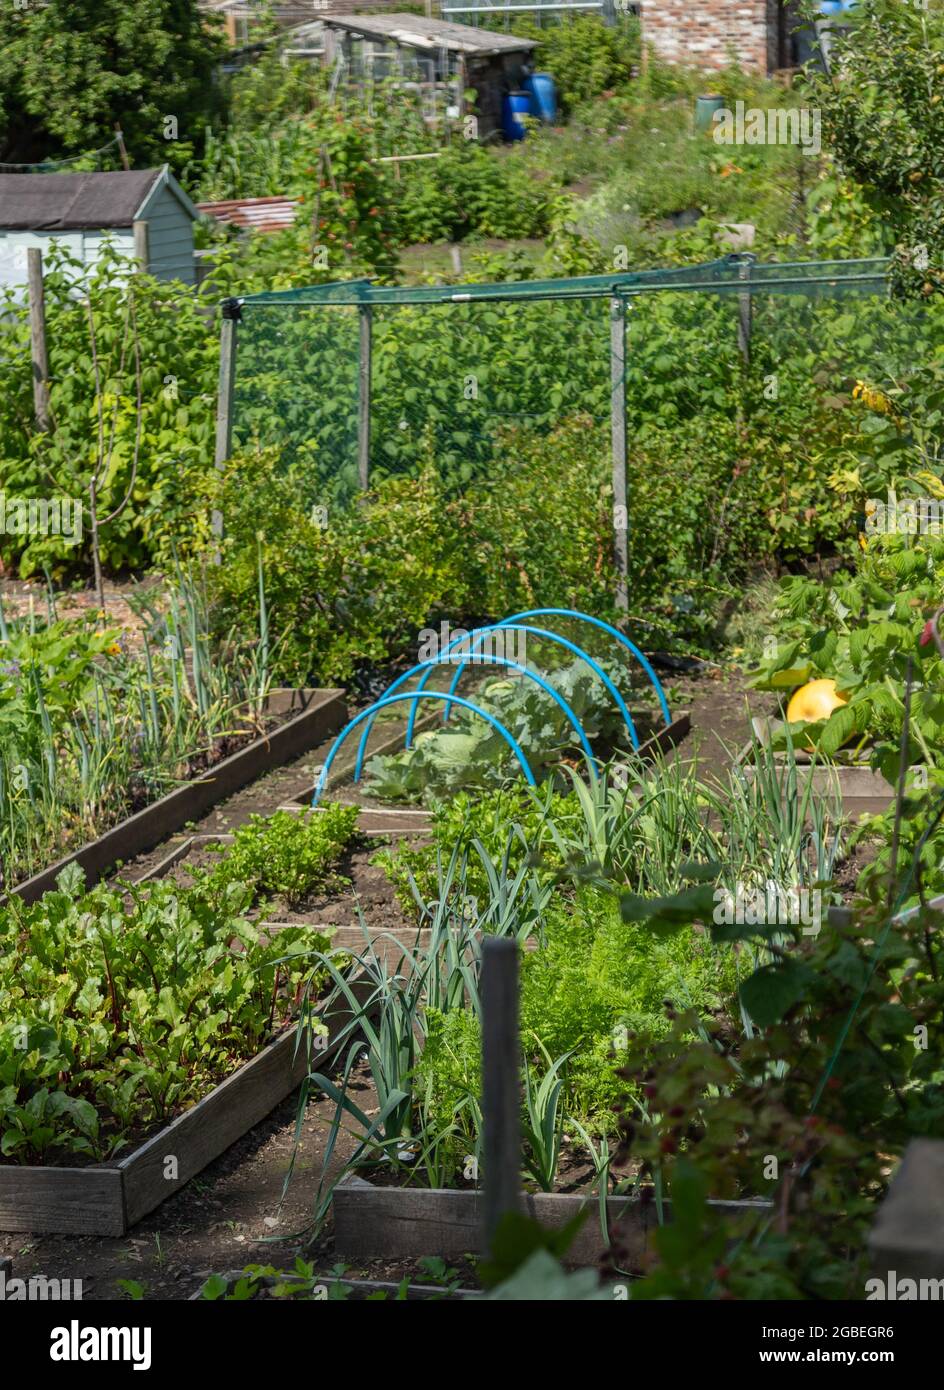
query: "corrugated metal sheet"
257, 214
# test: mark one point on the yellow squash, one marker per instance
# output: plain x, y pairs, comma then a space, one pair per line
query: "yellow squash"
813, 701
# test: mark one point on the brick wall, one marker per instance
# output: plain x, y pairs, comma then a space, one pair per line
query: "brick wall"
703, 33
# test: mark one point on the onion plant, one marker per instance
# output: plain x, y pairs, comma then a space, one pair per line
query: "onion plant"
91, 727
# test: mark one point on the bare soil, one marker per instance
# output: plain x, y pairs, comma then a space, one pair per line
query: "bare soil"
357, 883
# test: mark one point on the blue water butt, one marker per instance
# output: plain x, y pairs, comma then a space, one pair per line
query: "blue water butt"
540, 87
515, 106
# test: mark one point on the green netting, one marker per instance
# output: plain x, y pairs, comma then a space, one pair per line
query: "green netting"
727, 273
454, 372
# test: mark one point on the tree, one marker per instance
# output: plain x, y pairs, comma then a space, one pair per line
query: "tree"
70, 70
882, 106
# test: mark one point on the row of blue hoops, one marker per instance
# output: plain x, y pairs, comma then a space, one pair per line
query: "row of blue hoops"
514, 623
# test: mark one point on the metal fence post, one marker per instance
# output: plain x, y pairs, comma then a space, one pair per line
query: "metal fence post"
501, 1071
618, 435
745, 314
363, 399
230, 309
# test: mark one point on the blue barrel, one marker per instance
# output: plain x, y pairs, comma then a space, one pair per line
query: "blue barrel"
515, 106
540, 87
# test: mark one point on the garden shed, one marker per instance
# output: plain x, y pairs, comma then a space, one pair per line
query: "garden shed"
437, 57
142, 212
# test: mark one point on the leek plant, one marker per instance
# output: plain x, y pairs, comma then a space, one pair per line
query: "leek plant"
389, 991
544, 1118
91, 729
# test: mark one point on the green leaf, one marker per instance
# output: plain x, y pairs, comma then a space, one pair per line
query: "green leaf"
670, 913
773, 990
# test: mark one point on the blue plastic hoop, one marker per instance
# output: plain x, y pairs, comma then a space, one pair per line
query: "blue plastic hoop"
497, 661
415, 696
605, 627
551, 637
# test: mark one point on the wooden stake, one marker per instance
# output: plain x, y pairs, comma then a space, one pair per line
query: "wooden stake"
224, 403
745, 315
37, 317
126, 163
501, 1070
142, 247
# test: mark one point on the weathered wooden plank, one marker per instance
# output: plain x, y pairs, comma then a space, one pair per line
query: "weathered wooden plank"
393, 1222
668, 736
423, 1292
373, 822
141, 832
861, 790
907, 1240
70, 1201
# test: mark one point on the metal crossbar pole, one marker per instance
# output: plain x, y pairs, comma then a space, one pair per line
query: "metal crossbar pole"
511, 9
423, 295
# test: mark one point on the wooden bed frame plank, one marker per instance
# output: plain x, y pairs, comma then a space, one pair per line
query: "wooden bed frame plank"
77, 1201
403, 1222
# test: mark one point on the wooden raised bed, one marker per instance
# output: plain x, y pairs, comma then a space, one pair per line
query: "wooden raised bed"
861, 790
108, 1199
320, 714
395, 1223
363, 1287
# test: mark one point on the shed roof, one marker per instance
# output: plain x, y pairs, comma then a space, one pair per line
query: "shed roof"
413, 31
81, 202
